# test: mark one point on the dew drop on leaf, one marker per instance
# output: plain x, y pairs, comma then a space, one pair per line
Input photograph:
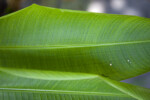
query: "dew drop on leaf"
129, 61
110, 64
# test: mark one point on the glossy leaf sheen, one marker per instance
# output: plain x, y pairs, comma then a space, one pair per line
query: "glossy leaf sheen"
56, 54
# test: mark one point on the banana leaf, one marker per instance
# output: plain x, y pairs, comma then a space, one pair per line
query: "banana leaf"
57, 54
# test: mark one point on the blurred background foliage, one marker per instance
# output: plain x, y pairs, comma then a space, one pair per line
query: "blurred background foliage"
125, 7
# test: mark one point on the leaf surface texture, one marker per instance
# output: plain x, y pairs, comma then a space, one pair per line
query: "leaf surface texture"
56, 54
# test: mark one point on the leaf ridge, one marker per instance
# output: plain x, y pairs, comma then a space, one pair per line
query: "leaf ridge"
64, 91
79, 45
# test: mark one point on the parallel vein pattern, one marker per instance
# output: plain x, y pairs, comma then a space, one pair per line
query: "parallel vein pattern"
56, 54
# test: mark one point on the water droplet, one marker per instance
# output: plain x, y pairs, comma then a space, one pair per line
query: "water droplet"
129, 61
110, 64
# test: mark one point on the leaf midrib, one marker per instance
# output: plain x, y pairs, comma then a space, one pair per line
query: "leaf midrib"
74, 45
64, 92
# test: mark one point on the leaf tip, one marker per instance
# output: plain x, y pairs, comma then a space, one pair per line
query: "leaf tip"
34, 4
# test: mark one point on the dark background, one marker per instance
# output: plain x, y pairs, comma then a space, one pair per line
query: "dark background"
125, 7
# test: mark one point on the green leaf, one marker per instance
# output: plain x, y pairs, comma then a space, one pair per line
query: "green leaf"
55, 54
25, 85
92, 89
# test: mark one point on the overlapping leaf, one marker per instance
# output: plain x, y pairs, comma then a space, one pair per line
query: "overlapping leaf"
55, 54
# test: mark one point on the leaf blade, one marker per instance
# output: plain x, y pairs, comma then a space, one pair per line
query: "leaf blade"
79, 45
